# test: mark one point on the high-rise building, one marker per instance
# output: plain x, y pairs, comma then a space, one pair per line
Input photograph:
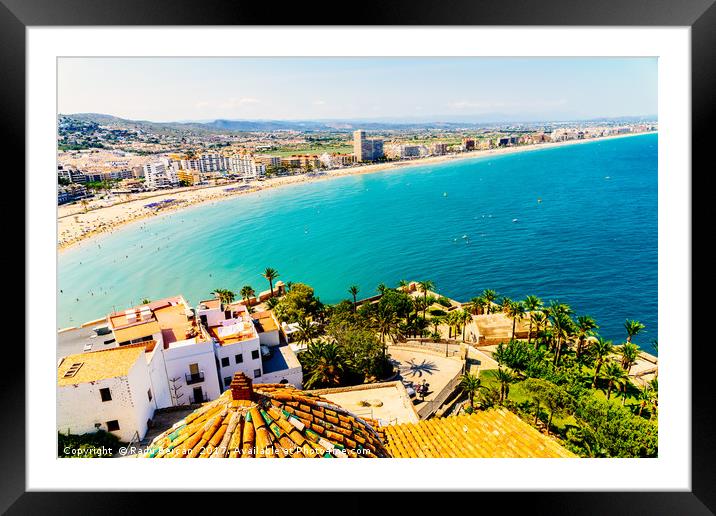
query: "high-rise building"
366, 149
160, 174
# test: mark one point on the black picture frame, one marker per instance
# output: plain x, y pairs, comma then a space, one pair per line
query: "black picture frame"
699, 15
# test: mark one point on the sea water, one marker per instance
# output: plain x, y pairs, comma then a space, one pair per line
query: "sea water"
576, 223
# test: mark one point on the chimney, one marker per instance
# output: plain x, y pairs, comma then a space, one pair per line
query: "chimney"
241, 387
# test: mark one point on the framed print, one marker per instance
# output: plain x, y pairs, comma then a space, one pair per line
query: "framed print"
448, 242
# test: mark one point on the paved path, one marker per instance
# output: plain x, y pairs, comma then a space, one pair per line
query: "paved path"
415, 366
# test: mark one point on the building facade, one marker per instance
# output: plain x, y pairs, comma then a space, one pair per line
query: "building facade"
366, 149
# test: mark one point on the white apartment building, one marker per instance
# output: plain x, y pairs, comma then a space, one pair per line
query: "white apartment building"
246, 167
168, 355
213, 163
160, 174
404, 151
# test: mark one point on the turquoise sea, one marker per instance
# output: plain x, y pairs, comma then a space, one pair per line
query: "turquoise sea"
466, 225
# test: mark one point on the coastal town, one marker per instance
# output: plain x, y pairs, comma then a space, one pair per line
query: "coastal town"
360, 257
111, 172
406, 372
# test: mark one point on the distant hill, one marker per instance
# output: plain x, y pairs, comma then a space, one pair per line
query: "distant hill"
239, 126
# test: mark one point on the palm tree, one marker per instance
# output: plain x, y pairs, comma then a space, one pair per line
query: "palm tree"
382, 287
225, 296
385, 321
632, 328
629, 353
540, 320
403, 283
506, 302
505, 378
306, 331
600, 351
246, 293
477, 305
463, 317
515, 311
425, 286
646, 397
531, 304
555, 307
654, 384
470, 384
454, 321
437, 321
353, 290
325, 363
489, 296
585, 328
615, 376
270, 274
562, 329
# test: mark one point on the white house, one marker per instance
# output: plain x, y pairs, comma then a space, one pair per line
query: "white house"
167, 355
236, 341
105, 390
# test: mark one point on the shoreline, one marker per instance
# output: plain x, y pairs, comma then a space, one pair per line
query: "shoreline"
76, 228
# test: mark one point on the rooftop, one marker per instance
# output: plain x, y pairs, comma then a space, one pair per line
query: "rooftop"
240, 331
98, 365
283, 358
279, 421
386, 402
73, 341
268, 421
209, 304
266, 321
175, 323
496, 433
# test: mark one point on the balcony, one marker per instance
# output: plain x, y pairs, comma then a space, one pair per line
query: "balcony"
200, 399
192, 378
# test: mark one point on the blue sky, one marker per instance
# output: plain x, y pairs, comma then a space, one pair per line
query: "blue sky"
171, 89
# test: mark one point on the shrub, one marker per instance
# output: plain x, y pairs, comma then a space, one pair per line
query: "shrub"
90, 445
442, 300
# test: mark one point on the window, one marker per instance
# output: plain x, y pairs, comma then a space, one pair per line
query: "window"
149, 394
225, 362
255, 354
112, 426
105, 394
227, 381
239, 358
257, 373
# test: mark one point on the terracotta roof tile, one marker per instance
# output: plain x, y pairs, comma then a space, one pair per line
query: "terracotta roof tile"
277, 421
267, 425
493, 433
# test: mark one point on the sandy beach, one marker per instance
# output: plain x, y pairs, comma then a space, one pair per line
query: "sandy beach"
75, 225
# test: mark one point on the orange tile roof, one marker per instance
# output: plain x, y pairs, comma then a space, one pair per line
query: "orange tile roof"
496, 433
269, 421
266, 320
279, 421
98, 365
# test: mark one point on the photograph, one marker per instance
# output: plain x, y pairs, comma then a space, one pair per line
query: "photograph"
426, 257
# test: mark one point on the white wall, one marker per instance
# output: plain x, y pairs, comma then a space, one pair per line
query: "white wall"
158, 377
247, 366
270, 338
178, 358
80, 406
293, 376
